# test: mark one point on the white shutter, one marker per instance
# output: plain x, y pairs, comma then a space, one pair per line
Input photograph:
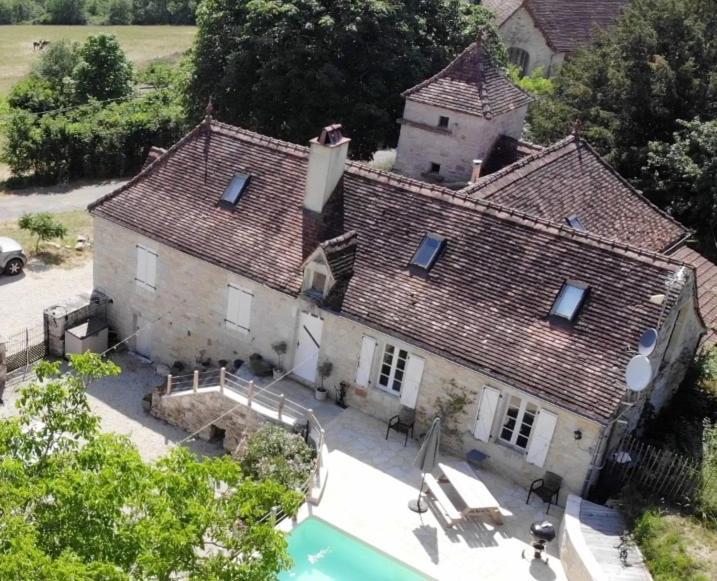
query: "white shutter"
151, 268
412, 381
365, 362
486, 413
542, 435
141, 264
238, 308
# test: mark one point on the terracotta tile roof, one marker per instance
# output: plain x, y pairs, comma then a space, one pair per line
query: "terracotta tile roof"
568, 25
503, 9
470, 84
340, 253
569, 178
485, 302
706, 288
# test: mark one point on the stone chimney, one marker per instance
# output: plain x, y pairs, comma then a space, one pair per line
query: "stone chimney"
475, 174
323, 198
327, 159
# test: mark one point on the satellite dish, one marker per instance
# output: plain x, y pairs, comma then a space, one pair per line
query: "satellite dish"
647, 342
638, 373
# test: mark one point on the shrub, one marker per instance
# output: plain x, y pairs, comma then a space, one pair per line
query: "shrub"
43, 226
275, 454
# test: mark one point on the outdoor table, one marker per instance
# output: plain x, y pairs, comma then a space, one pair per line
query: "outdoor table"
472, 491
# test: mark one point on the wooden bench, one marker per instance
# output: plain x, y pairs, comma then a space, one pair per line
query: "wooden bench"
448, 510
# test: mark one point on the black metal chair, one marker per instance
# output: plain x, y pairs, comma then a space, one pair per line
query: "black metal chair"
402, 423
546, 488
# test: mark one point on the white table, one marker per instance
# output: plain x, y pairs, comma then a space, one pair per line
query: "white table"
472, 491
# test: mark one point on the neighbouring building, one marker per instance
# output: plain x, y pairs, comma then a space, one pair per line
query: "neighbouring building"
453, 121
542, 33
231, 241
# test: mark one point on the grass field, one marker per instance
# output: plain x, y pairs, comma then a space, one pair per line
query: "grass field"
56, 252
143, 44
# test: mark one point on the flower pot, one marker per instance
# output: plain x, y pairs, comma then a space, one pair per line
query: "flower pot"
320, 393
277, 372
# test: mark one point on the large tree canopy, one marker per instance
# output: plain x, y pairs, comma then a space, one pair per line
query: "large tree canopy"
288, 67
79, 504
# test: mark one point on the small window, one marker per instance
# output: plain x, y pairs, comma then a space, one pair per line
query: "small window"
519, 58
518, 422
318, 282
393, 368
443, 122
569, 300
428, 251
435, 167
234, 190
574, 222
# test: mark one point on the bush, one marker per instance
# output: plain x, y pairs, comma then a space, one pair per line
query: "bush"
275, 454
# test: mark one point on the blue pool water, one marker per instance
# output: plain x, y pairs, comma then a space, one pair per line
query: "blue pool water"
324, 553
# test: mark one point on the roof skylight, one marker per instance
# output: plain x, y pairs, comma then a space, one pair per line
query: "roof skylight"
569, 300
234, 190
428, 251
574, 222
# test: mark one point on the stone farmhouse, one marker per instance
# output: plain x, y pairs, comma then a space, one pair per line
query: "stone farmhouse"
542, 33
231, 241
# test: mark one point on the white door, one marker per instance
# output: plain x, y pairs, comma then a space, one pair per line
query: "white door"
306, 358
143, 337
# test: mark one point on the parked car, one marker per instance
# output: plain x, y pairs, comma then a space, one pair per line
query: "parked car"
12, 258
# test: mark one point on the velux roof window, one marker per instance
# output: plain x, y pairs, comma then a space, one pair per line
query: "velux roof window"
234, 190
574, 222
428, 252
569, 300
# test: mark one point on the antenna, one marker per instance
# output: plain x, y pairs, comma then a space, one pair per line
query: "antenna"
648, 341
638, 373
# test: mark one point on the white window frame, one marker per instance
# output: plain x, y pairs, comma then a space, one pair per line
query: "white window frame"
522, 408
234, 325
393, 368
147, 253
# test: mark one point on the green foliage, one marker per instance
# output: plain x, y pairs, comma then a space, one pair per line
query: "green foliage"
708, 494
664, 549
78, 504
288, 68
103, 71
451, 407
58, 63
277, 455
43, 226
119, 12
537, 84
66, 12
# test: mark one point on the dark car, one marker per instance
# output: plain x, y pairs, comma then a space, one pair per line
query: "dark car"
12, 258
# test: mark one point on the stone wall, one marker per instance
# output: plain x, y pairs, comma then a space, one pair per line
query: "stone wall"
467, 137
519, 31
68, 314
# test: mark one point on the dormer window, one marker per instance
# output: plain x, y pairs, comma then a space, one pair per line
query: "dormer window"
443, 122
569, 300
318, 283
428, 252
574, 222
316, 279
234, 190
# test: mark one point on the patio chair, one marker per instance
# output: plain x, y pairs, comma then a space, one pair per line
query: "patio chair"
402, 423
546, 488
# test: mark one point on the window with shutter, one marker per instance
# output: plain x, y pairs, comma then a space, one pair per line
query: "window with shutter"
365, 361
542, 436
146, 268
412, 381
486, 413
239, 303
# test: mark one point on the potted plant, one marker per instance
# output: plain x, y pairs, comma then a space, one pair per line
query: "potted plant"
280, 349
147, 401
341, 392
325, 370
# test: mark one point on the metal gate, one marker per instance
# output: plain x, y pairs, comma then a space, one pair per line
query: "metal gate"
25, 347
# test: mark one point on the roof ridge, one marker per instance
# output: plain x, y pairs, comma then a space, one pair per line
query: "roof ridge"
440, 73
345, 237
258, 138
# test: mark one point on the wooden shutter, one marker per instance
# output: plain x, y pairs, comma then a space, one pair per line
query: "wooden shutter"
486, 413
151, 268
141, 264
238, 308
542, 435
412, 380
365, 362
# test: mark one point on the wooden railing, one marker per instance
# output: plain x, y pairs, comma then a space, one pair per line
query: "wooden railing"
264, 402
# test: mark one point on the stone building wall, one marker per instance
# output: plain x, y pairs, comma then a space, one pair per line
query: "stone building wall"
466, 138
519, 31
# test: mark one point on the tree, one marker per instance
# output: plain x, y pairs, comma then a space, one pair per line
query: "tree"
104, 71
79, 504
119, 12
683, 177
66, 11
43, 226
287, 69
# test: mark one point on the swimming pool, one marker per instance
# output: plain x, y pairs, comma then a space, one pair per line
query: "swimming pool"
322, 552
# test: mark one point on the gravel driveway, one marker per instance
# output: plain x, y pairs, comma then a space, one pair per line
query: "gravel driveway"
24, 297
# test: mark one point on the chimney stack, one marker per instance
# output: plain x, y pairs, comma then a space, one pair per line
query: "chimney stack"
477, 164
327, 159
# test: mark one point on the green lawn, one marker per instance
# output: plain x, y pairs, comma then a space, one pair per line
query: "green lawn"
143, 44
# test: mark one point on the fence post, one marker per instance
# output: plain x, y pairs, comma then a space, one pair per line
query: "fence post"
222, 379
195, 381
169, 385
280, 410
322, 437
